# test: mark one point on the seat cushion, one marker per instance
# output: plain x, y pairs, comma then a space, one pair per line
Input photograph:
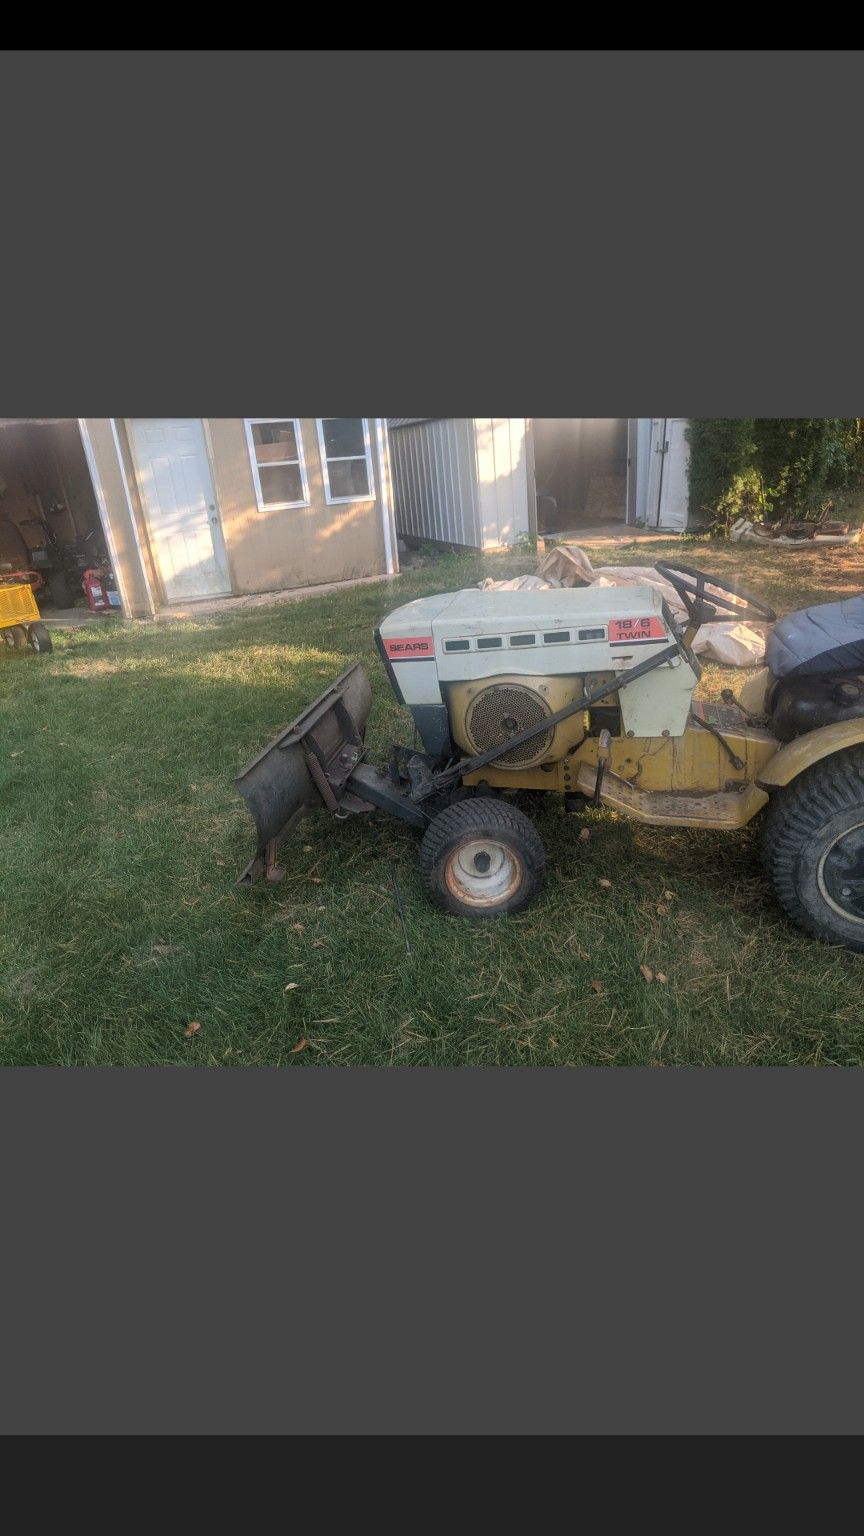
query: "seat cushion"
827, 638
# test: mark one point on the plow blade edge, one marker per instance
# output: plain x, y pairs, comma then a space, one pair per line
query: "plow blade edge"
302, 768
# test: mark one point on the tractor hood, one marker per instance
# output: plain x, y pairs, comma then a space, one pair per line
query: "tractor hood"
418, 617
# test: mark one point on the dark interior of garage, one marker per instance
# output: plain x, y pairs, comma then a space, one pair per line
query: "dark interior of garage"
49, 520
580, 469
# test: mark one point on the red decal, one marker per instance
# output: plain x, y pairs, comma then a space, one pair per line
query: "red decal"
623, 631
410, 648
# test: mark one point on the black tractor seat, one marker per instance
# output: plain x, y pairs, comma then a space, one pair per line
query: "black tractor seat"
826, 639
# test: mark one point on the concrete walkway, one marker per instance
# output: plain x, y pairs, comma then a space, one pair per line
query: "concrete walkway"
612, 533
207, 605
74, 618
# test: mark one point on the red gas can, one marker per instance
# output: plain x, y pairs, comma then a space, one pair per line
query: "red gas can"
102, 595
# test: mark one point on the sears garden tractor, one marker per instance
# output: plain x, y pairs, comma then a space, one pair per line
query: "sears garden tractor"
589, 693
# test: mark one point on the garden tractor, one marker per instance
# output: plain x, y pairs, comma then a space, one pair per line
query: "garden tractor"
588, 693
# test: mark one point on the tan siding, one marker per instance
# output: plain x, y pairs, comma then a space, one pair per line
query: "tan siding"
297, 546
266, 551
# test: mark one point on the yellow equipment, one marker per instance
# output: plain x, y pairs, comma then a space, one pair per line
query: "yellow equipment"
589, 692
20, 623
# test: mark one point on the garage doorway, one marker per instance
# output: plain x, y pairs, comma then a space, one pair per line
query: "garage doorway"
49, 519
580, 471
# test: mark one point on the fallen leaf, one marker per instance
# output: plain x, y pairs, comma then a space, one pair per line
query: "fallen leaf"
307, 847
605, 885
597, 986
300, 1046
17, 754
298, 927
662, 909
668, 895
191, 1029
316, 879
319, 943
584, 835
291, 986
661, 976
647, 972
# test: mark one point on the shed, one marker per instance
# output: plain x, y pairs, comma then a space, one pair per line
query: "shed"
196, 508
486, 482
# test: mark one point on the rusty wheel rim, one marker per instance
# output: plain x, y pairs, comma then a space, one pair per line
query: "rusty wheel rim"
483, 872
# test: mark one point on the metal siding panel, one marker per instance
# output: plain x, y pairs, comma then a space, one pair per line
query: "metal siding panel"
435, 444
454, 481
519, 471
448, 484
483, 439
466, 470
428, 451
471, 462
504, 502
502, 483
434, 481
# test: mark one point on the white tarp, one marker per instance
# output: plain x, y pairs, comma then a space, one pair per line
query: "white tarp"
733, 643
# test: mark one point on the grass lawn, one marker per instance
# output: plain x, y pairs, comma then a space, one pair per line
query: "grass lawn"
122, 833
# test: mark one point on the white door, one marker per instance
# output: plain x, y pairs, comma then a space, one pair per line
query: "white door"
180, 506
667, 474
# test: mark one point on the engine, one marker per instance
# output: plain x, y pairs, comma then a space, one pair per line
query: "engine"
477, 667
485, 714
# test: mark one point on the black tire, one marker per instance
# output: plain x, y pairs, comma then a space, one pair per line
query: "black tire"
39, 638
15, 638
812, 848
62, 595
457, 878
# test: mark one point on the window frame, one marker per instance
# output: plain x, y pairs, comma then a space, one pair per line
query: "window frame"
276, 506
345, 458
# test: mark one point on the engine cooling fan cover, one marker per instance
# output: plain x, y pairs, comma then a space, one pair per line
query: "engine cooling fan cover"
499, 712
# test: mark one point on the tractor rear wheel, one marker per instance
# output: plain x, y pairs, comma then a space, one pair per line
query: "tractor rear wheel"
813, 848
482, 858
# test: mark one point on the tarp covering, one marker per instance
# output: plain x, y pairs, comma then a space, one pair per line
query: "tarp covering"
733, 643
827, 638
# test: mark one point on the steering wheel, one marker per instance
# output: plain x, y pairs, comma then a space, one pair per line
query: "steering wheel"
702, 606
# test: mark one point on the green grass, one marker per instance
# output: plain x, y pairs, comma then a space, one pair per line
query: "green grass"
122, 833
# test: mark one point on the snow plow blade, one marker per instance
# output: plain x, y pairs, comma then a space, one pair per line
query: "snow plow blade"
302, 768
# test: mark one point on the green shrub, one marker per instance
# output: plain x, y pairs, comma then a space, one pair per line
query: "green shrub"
769, 467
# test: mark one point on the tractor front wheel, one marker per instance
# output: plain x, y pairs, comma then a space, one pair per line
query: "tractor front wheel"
482, 858
813, 848
15, 638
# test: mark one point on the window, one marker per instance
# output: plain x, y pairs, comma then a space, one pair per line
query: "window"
276, 453
346, 458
